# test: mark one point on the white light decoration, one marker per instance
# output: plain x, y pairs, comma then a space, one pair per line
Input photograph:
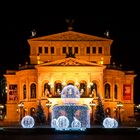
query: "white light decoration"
71, 115
53, 123
110, 123
76, 124
27, 122
77, 115
62, 122
115, 124
70, 94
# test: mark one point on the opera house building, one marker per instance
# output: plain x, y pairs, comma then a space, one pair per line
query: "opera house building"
69, 58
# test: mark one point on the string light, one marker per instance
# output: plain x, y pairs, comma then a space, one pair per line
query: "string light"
70, 115
110, 123
27, 122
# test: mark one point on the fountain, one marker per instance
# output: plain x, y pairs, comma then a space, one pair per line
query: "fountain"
70, 115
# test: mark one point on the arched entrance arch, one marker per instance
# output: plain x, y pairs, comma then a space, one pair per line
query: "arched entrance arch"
70, 82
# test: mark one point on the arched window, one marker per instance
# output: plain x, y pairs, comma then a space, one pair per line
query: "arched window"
83, 89
115, 91
33, 90
58, 89
24, 91
70, 82
94, 90
107, 91
32, 111
46, 89
108, 112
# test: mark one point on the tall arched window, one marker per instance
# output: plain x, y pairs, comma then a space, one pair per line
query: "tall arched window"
115, 91
58, 89
46, 89
33, 90
82, 88
94, 90
107, 91
24, 91
32, 111
108, 112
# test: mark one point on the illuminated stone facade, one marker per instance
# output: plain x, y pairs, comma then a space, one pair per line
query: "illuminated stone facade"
86, 66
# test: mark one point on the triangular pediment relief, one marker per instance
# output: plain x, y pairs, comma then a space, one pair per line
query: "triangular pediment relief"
70, 62
70, 36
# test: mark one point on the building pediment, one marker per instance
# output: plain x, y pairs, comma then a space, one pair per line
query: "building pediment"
70, 62
70, 36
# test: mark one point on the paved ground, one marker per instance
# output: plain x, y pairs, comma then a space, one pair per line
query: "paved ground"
96, 132
51, 134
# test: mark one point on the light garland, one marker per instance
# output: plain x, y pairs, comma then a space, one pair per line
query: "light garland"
62, 122
70, 94
70, 115
110, 123
77, 115
27, 122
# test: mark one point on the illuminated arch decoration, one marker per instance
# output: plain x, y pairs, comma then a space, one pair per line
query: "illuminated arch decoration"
27, 122
70, 115
75, 114
70, 94
110, 123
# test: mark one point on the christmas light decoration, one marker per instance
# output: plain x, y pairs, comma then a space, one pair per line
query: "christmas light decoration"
70, 115
70, 94
53, 123
62, 122
27, 122
110, 123
76, 124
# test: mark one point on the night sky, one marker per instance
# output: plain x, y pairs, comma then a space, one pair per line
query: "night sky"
121, 19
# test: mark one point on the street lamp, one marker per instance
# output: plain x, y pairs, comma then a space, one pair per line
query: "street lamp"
48, 104
21, 106
92, 105
119, 106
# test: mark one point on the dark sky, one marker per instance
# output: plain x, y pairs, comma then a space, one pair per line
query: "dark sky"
121, 19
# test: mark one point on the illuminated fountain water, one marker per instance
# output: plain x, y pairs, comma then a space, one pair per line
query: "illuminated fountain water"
71, 115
